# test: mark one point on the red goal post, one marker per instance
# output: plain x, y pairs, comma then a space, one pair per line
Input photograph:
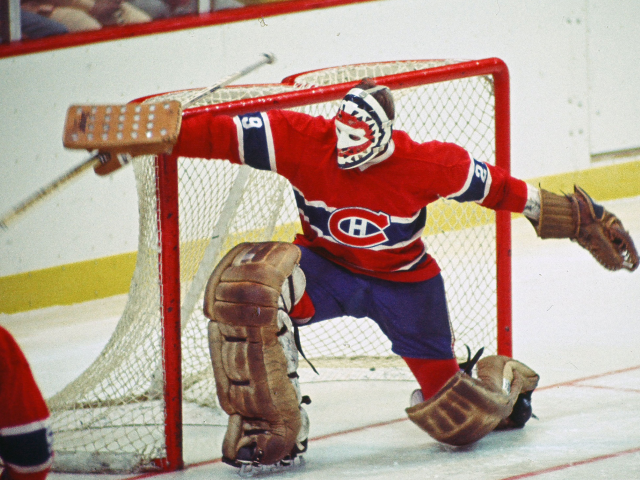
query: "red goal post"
175, 258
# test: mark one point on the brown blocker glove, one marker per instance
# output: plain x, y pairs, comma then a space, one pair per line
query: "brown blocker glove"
578, 217
119, 132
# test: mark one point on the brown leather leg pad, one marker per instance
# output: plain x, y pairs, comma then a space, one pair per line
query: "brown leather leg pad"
462, 412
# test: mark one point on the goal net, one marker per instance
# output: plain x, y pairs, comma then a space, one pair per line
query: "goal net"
120, 414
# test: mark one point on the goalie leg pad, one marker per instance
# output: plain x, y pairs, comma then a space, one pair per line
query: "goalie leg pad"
500, 373
466, 409
253, 353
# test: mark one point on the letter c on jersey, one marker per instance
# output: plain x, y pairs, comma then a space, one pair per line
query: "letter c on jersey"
359, 227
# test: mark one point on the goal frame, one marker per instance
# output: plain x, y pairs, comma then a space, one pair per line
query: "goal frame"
168, 218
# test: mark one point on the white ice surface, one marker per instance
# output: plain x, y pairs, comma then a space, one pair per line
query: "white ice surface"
575, 323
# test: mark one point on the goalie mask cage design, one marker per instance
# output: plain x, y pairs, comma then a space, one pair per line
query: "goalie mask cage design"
151, 390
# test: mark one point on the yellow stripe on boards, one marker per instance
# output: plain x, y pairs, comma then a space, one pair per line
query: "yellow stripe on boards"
100, 278
67, 284
609, 182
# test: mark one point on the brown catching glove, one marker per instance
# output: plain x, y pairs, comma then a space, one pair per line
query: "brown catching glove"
578, 217
119, 132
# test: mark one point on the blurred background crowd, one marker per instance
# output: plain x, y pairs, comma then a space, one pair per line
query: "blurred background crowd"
43, 18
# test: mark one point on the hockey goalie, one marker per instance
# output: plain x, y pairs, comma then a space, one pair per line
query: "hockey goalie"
362, 189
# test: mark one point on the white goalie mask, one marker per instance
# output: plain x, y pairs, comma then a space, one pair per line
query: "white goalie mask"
363, 128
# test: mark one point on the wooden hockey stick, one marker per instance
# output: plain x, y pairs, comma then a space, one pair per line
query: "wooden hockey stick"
44, 192
14, 213
268, 58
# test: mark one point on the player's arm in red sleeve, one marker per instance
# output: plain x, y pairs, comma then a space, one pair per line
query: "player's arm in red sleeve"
248, 139
208, 136
270, 140
506, 192
25, 435
470, 180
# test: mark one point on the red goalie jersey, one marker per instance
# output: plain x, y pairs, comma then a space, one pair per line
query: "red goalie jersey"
368, 220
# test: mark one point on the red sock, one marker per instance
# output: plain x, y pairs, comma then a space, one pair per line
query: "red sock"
432, 374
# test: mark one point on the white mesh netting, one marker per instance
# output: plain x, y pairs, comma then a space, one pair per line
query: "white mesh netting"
111, 418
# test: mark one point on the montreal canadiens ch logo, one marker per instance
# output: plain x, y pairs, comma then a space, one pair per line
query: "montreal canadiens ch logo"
359, 227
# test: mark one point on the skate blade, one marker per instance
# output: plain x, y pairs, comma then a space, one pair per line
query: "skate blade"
249, 470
